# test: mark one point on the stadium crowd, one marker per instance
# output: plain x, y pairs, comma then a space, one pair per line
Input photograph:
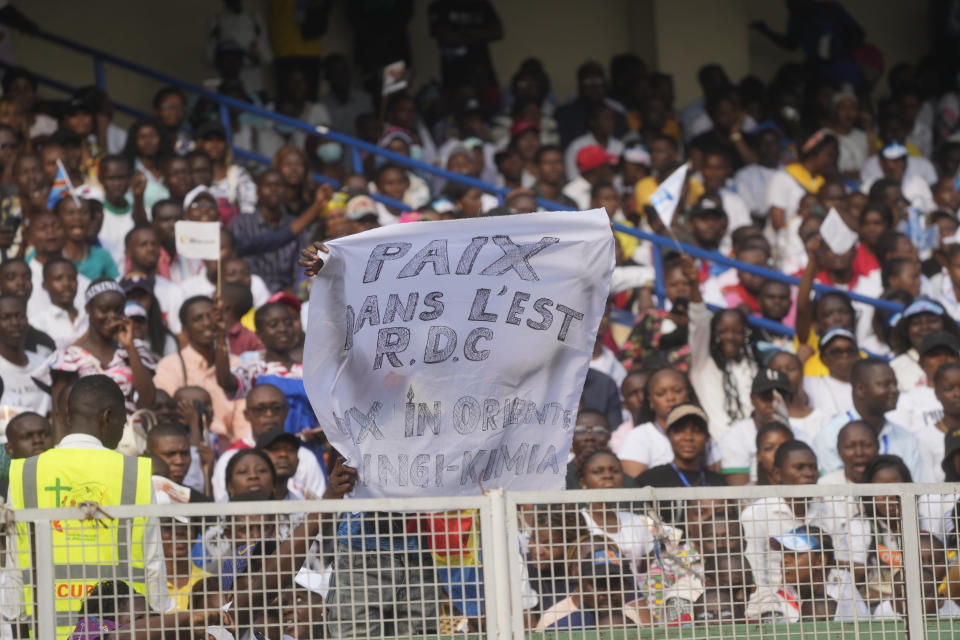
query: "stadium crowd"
91, 285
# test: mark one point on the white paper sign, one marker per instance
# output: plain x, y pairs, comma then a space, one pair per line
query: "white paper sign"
839, 237
443, 355
197, 240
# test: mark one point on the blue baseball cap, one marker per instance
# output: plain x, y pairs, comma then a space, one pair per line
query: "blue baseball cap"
799, 539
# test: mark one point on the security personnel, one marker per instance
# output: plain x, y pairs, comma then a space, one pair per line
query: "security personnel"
84, 467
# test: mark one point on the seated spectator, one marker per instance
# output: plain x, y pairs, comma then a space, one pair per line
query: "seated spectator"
687, 428
815, 587
171, 265
194, 365
875, 220
169, 108
768, 439
550, 176
856, 445
893, 165
237, 302
728, 586
818, 157
147, 149
298, 186
61, 320
744, 291
918, 320
267, 409
143, 255
591, 433
119, 215
92, 261
633, 534
16, 280
591, 91
26, 379
751, 181
282, 448
169, 442
727, 118
176, 179
770, 392
852, 141
601, 121
875, 392
832, 394
647, 444
28, 434
601, 393
176, 534
875, 539
660, 333
919, 410
49, 240
804, 419
416, 191
604, 590
21, 86
775, 303
594, 165
230, 183
715, 170
722, 365
794, 464
109, 340
30, 199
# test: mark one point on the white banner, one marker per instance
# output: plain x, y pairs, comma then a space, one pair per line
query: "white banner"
442, 356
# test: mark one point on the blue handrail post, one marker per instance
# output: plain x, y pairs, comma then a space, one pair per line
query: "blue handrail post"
225, 121
357, 160
659, 289
98, 73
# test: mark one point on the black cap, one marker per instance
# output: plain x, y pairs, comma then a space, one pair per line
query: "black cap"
771, 380
78, 104
706, 207
270, 436
211, 129
951, 444
136, 280
939, 339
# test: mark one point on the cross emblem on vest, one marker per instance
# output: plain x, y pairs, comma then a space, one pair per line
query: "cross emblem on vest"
58, 488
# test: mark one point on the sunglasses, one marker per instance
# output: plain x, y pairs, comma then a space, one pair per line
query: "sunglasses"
583, 429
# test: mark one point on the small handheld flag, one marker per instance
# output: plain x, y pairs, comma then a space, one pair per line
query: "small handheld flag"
667, 196
61, 187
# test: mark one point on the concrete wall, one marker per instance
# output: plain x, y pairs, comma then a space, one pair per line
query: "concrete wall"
677, 36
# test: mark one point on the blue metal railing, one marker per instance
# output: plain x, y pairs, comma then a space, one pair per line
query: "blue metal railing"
356, 146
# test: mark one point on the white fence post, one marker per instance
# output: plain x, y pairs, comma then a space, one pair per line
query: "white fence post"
503, 586
913, 581
44, 607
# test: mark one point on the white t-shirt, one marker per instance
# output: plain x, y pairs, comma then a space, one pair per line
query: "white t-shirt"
829, 395
614, 147
762, 520
170, 298
20, 389
56, 323
854, 150
738, 447
114, 230
39, 302
200, 285
647, 445
807, 428
916, 166
919, 412
751, 184
738, 215
784, 192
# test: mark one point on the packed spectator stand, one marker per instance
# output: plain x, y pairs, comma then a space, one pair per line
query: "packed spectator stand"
753, 385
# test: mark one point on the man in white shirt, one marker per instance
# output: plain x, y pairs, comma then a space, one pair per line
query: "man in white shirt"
594, 165
893, 165
26, 379
62, 320
143, 252
600, 124
266, 410
875, 393
716, 171
751, 181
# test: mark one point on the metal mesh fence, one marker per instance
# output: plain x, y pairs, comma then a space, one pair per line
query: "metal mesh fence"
876, 561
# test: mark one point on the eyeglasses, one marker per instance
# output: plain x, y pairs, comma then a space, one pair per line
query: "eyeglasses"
275, 408
841, 352
583, 429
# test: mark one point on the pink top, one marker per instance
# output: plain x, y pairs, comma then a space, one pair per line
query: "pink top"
78, 360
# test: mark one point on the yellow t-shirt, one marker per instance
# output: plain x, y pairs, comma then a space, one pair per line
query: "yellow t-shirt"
181, 595
814, 367
285, 32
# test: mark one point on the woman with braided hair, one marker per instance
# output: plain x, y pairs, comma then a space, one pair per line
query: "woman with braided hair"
722, 362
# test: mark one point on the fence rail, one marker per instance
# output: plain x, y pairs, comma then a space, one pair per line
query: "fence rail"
714, 562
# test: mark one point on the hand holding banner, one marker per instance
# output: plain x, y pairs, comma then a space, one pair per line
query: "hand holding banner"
443, 355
